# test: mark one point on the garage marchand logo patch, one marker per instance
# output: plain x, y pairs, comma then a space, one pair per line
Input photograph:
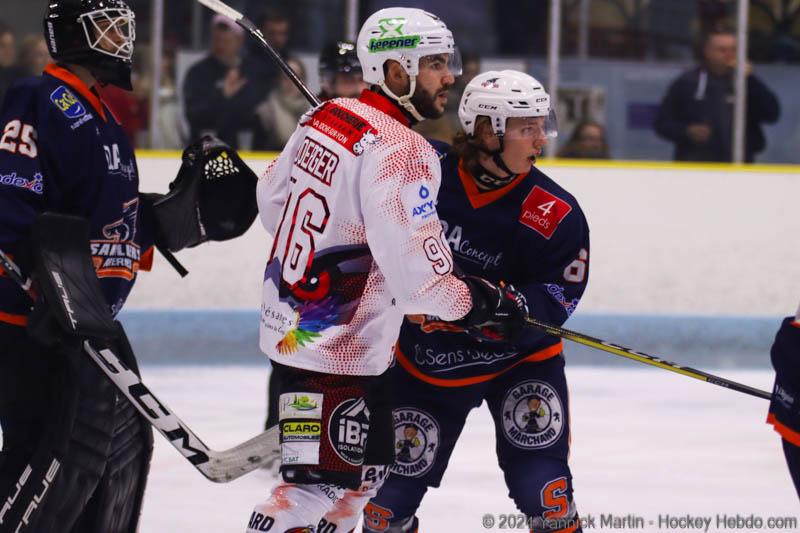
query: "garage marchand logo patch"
416, 437
533, 415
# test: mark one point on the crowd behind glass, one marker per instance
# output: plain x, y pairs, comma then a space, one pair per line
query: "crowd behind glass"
232, 89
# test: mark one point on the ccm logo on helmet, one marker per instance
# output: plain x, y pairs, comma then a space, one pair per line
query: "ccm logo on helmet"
487, 106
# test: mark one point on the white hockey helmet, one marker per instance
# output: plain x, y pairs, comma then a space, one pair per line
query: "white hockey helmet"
405, 35
504, 94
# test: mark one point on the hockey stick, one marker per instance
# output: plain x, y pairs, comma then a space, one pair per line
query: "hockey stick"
622, 351
218, 466
226, 11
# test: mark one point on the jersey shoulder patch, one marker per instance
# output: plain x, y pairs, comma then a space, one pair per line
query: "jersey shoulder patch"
344, 126
542, 211
66, 101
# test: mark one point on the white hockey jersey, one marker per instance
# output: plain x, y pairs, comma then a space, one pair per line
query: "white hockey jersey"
351, 203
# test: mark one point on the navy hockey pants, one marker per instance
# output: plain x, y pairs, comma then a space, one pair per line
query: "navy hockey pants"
530, 408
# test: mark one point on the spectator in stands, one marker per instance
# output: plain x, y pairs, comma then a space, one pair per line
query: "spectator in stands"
697, 111
340, 74
281, 111
9, 71
588, 141
220, 91
172, 134
33, 55
275, 26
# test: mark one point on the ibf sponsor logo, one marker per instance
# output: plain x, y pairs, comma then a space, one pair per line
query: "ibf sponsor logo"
317, 160
347, 430
543, 212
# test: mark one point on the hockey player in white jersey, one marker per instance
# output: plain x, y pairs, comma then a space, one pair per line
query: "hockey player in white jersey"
357, 245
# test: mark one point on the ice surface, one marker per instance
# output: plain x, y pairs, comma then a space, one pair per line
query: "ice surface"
644, 442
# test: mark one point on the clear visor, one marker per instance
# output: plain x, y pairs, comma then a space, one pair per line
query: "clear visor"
439, 62
111, 31
532, 127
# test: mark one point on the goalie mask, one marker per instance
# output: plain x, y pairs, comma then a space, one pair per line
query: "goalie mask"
96, 34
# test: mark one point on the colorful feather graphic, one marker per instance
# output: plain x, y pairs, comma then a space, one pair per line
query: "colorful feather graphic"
312, 317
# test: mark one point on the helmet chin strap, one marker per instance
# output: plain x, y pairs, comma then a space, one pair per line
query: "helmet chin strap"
497, 157
404, 101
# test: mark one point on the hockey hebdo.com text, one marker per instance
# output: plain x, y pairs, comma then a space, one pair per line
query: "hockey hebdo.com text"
661, 523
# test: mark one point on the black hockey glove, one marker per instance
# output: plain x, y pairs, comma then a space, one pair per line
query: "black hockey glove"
498, 311
212, 199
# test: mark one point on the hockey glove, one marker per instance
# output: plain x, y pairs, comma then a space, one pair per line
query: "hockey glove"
498, 311
213, 197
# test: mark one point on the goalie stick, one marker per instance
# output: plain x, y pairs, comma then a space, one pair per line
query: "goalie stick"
218, 466
227, 11
647, 359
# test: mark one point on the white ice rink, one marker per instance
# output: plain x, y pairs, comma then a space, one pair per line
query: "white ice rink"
645, 442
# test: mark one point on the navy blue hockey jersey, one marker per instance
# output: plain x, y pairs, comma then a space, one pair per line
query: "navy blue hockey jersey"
530, 233
62, 150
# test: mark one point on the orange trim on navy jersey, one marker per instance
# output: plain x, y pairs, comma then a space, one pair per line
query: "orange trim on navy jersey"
796, 324
14, 320
75, 83
146, 261
480, 198
535, 357
785, 432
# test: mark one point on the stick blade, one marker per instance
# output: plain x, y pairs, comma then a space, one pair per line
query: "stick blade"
223, 9
260, 451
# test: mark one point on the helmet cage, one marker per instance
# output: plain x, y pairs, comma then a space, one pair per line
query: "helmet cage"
110, 31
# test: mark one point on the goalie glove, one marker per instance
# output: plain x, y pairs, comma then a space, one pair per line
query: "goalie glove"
212, 198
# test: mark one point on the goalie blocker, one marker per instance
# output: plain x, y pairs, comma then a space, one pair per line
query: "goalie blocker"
76, 454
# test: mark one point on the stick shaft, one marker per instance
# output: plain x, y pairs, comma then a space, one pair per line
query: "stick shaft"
217, 466
647, 359
227, 11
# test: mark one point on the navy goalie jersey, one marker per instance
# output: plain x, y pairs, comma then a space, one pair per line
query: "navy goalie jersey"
530, 233
63, 151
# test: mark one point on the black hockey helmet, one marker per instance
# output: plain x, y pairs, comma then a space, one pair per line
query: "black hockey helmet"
336, 58
96, 34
